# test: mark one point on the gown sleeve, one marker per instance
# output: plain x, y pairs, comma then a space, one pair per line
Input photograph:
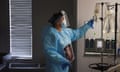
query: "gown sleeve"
76, 34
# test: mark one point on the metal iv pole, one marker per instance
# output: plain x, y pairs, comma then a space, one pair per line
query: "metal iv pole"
115, 56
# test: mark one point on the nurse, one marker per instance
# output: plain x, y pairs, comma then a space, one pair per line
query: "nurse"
57, 42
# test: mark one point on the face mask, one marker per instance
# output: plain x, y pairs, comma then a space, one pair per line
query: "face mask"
63, 25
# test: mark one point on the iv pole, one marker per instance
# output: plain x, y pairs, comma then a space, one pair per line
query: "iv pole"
115, 29
100, 66
115, 43
116, 22
102, 4
116, 11
117, 66
115, 47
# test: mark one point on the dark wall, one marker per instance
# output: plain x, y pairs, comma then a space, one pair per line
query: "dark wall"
4, 26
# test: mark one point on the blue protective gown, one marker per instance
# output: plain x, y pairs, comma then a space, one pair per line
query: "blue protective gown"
54, 43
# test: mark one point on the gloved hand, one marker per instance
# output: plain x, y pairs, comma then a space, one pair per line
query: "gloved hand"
90, 23
65, 65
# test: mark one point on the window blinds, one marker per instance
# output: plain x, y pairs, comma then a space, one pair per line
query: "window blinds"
20, 12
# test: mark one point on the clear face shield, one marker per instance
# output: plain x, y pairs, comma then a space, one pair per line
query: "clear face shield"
66, 20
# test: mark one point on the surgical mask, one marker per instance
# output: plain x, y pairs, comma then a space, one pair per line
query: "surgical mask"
63, 25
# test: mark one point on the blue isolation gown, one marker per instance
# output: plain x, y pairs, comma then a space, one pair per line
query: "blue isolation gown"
54, 43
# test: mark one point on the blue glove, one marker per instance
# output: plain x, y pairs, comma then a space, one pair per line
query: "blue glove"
65, 65
90, 23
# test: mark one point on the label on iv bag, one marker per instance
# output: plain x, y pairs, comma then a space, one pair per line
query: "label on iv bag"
99, 44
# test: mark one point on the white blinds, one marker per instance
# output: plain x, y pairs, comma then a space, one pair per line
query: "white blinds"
20, 28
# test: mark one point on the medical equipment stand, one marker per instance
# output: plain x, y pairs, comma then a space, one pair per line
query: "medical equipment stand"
115, 47
116, 13
102, 4
104, 66
116, 66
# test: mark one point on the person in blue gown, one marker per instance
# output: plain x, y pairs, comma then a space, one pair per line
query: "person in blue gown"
56, 38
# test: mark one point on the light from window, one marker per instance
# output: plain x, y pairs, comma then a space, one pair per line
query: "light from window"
20, 15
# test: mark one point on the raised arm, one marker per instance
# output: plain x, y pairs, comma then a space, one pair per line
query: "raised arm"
79, 32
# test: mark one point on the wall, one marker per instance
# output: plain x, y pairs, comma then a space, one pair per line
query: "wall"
4, 26
85, 10
42, 11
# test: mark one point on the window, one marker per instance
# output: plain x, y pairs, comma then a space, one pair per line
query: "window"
20, 15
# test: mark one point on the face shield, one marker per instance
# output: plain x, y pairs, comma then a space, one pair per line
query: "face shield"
66, 20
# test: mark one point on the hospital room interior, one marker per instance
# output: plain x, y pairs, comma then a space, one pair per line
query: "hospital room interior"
21, 35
